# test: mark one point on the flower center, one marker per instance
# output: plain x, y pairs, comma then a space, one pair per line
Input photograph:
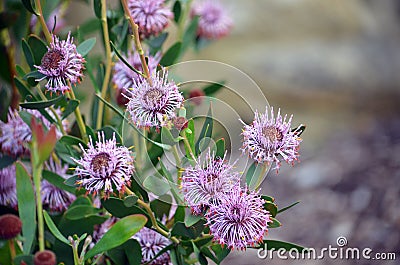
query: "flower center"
99, 161
236, 211
153, 97
272, 133
52, 59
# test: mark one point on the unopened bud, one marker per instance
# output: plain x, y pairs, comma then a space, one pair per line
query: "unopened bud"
10, 226
45, 257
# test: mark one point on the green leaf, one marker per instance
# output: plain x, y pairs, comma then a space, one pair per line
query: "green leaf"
130, 200
276, 244
190, 135
171, 55
81, 212
71, 182
118, 209
89, 26
72, 140
156, 185
288, 207
220, 252
57, 181
191, 219
124, 60
120, 232
213, 88
38, 48
220, 144
155, 43
24, 91
271, 208
161, 206
167, 137
268, 198
26, 206
85, 47
28, 54
26, 259
97, 8
177, 9
72, 105
6, 160
192, 232
109, 131
29, 5
41, 104
174, 187
206, 131
32, 76
274, 224
53, 228
190, 34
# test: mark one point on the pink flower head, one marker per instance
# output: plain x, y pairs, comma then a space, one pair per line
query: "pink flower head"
207, 181
151, 16
214, 22
62, 65
238, 219
152, 105
53, 198
8, 188
104, 167
268, 138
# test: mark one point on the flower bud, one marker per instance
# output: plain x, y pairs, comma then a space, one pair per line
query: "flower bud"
10, 226
45, 257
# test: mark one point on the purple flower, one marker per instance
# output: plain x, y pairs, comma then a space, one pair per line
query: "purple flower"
53, 198
207, 181
123, 76
8, 188
62, 65
151, 243
214, 21
151, 16
152, 105
14, 135
268, 137
238, 219
104, 166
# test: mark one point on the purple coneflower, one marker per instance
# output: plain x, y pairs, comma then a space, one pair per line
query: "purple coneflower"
104, 166
151, 16
151, 243
53, 198
8, 188
268, 137
238, 219
214, 21
62, 65
207, 181
124, 77
152, 105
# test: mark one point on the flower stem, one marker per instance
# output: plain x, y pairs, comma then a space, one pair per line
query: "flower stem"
42, 22
178, 163
12, 249
108, 63
78, 115
136, 39
182, 20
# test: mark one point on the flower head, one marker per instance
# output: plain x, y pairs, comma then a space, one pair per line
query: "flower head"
269, 137
8, 187
151, 243
104, 166
207, 181
150, 105
53, 198
214, 22
238, 219
151, 16
14, 134
61, 65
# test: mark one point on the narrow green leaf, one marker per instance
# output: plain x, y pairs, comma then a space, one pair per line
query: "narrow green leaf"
6, 160
171, 55
124, 60
190, 135
220, 144
26, 206
85, 47
57, 181
213, 88
72, 105
71, 182
72, 140
206, 131
190, 34
24, 91
38, 47
177, 9
53, 228
288, 207
41, 104
275, 223
29, 6
35, 74
97, 8
81, 212
271, 208
167, 137
120, 232
28, 54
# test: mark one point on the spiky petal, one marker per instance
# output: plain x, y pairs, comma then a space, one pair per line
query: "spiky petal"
238, 219
105, 167
207, 181
269, 138
8, 189
152, 105
14, 135
214, 21
61, 65
151, 16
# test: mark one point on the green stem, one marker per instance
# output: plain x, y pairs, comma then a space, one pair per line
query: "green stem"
37, 168
12, 249
137, 148
42, 22
78, 116
108, 63
75, 253
183, 19
187, 145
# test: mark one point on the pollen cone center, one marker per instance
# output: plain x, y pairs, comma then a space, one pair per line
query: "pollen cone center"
272, 133
237, 215
99, 161
52, 59
153, 97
